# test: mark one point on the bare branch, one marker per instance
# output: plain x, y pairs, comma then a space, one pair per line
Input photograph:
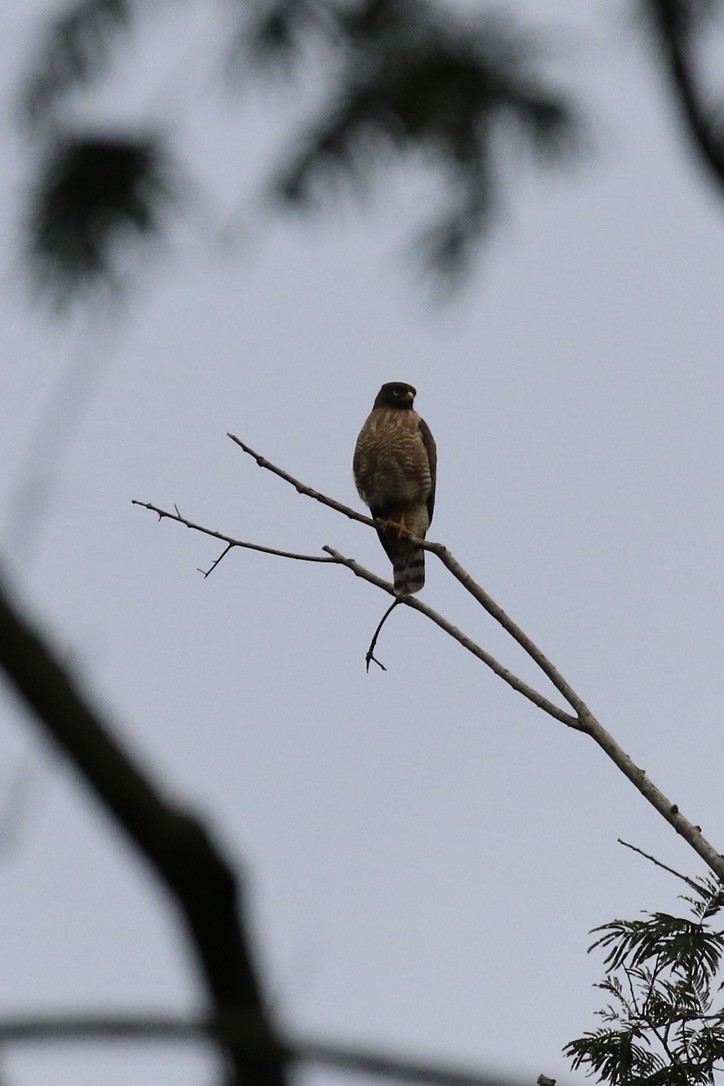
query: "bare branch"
450, 562
216, 561
668, 810
172, 839
684, 878
467, 642
300, 487
701, 119
583, 720
336, 558
370, 657
149, 1027
163, 514
497, 612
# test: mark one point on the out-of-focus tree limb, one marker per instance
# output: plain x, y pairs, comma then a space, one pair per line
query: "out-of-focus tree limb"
344, 1057
676, 25
174, 840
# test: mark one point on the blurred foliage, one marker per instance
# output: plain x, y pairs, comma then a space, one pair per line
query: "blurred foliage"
405, 76
93, 193
664, 1022
678, 18
75, 47
457, 91
453, 87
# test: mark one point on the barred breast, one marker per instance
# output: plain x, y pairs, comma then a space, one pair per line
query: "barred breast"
391, 465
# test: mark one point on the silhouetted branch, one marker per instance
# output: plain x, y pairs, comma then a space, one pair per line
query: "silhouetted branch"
175, 842
343, 1057
164, 514
582, 718
409, 601
467, 642
675, 23
301, 487
370, 656
657, 863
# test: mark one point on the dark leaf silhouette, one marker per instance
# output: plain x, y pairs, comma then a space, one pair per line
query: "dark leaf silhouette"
273, 34
76, 47
404, 78
448, 89
93, 193
452, 89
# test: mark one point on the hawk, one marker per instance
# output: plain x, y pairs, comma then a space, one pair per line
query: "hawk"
395, 462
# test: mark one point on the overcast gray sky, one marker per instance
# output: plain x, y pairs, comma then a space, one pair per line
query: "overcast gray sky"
425, 851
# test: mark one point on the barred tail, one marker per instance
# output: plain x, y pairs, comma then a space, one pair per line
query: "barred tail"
409, 571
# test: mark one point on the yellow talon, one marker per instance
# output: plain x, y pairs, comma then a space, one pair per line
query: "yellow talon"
398, 526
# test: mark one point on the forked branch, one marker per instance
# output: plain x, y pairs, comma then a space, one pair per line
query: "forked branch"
335, 558
580, 718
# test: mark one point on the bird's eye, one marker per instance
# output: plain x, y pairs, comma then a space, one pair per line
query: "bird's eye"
395, 392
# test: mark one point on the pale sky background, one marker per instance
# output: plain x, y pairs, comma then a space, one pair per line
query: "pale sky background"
425, 851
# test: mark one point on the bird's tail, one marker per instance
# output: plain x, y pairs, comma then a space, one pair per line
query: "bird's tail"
409, 571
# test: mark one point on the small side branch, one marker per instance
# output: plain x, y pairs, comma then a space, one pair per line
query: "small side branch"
207, 572
370, 656
495, 666
164, 514
664, 867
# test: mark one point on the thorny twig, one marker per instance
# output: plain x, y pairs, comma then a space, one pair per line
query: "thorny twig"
336, 558
231, 543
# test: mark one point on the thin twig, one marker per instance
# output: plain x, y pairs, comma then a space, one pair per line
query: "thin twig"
301, 487
216, 561
370, 657
495, 666
164, 514
691, 883
335, 557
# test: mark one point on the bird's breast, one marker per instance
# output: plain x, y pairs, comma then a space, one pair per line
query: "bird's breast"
391, 463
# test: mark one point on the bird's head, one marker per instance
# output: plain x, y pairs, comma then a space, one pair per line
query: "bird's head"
396, 394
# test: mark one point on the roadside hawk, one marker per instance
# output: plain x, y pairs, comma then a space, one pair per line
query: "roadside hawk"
395, 463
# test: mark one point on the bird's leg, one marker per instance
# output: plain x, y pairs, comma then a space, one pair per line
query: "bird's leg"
398, 526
